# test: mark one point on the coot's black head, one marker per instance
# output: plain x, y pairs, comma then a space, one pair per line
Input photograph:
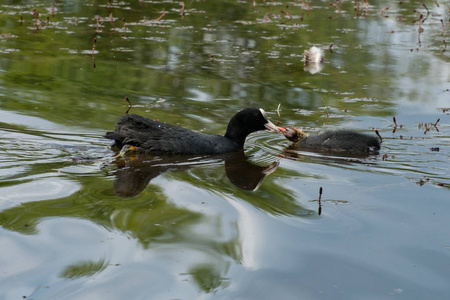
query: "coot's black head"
293, 134
246, 121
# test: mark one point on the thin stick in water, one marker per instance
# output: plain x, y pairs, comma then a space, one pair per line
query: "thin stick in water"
111, 20
93, 52
93, 48
182, 9
124, 26
287, 14
382, 12
160, 17
338, 9
320, 203
129, 105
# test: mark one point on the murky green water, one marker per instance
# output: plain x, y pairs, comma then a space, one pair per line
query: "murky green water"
78, 224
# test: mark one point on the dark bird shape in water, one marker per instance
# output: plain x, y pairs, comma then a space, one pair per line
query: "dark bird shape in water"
149, 136
333, 141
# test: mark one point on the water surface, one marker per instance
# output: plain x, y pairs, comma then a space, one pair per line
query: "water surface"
76, 223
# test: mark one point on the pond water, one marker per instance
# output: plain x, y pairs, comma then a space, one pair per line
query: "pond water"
76, 223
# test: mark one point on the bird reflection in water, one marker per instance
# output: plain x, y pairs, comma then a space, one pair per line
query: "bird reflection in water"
135, 170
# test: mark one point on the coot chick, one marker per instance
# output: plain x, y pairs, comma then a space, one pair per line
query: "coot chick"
149, 136
333, 141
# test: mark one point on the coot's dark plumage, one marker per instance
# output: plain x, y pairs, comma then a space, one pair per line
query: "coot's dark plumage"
151, 136
338, 141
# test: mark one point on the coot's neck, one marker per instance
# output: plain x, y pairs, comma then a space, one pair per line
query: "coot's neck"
236, 133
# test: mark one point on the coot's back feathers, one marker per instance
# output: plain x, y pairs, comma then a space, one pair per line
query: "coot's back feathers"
155, 137
339, 140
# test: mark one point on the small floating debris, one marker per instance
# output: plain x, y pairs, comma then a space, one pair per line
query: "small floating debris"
129, 105
314, 55
313, 60
395, 124
338, 11
429, 126
382, 12
93, 53
319, 211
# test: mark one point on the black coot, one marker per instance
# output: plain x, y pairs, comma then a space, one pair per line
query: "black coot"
334, 141
149, 136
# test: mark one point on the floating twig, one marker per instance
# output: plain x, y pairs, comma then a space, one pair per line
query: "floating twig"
357, 8
182, 9
93, 48
93, 52
320, 203
98, 29
420, 24
111, 20
443, 27
331, 46
338, 9
36, 16
445, 46
428, 126
301, 10
307, 9
161, 16
428, 12
419, 19
437, 4
382, 11
129, 105
287, 14
124, 26
21, 20
435, 124
395, 124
